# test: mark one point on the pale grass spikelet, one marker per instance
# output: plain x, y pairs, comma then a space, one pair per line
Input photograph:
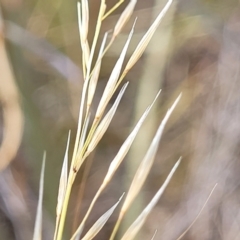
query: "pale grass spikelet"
145, 40
109, 89
137, 224
95, 74
63, 178
86, 81
95, 38
117, 161
83, 22
147, 162
79, 125
85, 19
90, 132
79, 14
101, 129
37, 235
126, 14
84, 132
143, 169
98, 225
126, 146
62, 185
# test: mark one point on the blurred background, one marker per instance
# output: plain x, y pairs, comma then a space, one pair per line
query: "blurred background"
196, 51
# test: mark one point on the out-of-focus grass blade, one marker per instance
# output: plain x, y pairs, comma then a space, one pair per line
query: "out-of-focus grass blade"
101, 129
38, 222
98, 225
198, 215
154, 235
62, 185
138, 223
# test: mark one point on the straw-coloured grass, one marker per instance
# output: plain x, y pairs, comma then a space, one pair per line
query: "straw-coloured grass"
89, 133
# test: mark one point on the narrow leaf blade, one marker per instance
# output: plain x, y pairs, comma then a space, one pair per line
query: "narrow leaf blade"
38, 222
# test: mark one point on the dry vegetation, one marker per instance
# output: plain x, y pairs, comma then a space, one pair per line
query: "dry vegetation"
90, 131
125, 140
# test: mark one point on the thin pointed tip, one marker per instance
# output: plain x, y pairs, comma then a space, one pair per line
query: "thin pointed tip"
121, 197
135, 22
44, 155
179, 97
158, 93
178, 162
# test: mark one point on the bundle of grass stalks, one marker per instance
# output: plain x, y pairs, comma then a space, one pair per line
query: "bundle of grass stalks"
90, 132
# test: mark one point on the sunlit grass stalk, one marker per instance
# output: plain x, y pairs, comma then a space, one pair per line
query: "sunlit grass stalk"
87, 140
112, 9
